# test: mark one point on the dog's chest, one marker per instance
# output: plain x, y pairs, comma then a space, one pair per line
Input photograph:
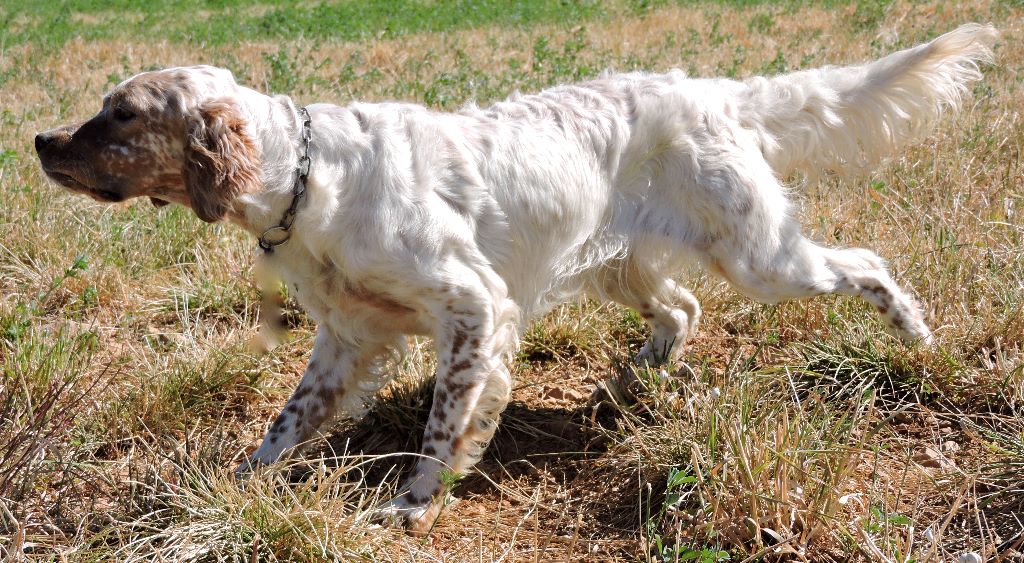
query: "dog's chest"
355, 308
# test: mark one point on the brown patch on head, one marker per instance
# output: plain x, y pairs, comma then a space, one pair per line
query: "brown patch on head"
124, 151
220, 160
138, 143
160, 91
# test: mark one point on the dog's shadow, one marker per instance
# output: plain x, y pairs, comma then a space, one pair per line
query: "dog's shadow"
529, 439
536, 446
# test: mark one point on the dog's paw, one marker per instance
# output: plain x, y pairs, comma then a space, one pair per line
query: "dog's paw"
416, 518
247, 468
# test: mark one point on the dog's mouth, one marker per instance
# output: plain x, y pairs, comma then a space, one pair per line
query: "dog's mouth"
77, 185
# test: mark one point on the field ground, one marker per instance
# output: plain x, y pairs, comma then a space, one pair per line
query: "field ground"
794, 431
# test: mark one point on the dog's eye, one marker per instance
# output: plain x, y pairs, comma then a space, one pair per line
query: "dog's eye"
122, 114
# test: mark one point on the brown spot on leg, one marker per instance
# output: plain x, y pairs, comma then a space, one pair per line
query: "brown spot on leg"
327, 393
440, 436
457, 390
897, 323
459, 341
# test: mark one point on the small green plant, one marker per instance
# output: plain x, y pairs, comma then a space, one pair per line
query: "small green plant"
776, 66
868, 14
678, 485
762, 23
284, 74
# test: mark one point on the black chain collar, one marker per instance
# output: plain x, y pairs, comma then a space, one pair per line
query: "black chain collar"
280, 233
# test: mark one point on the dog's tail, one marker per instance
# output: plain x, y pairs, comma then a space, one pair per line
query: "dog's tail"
848, 118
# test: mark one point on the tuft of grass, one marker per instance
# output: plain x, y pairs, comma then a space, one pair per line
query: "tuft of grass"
188, 510
748, 466
44, 396
842, 368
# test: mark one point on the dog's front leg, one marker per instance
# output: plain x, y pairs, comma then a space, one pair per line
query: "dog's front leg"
337, 375
473, 335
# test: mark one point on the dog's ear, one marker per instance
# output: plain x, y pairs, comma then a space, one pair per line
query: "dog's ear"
220, 160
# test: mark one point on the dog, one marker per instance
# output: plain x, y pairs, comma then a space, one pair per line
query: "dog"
392, 219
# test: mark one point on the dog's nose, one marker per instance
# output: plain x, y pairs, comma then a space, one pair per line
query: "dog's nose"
42, 140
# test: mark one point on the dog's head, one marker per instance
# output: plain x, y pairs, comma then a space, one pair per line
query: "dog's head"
174, 135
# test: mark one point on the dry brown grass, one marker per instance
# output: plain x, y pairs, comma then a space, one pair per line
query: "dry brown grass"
127, 394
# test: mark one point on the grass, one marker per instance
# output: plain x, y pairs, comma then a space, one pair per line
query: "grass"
128, 395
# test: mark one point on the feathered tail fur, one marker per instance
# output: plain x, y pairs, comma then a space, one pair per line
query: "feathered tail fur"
847, 118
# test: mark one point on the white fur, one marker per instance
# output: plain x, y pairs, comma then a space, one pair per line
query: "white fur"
463, 226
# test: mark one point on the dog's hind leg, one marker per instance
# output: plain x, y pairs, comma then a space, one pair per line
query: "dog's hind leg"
767, 259
672, 315
805, 269
669, 309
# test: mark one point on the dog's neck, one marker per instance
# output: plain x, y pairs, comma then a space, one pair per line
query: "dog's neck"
276, 127
337, 150
278, 234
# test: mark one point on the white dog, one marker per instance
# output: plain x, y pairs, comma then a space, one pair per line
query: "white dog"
463, 226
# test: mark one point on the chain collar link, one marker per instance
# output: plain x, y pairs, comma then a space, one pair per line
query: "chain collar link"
280, 233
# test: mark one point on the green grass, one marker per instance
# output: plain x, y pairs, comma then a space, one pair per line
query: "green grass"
220, 22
